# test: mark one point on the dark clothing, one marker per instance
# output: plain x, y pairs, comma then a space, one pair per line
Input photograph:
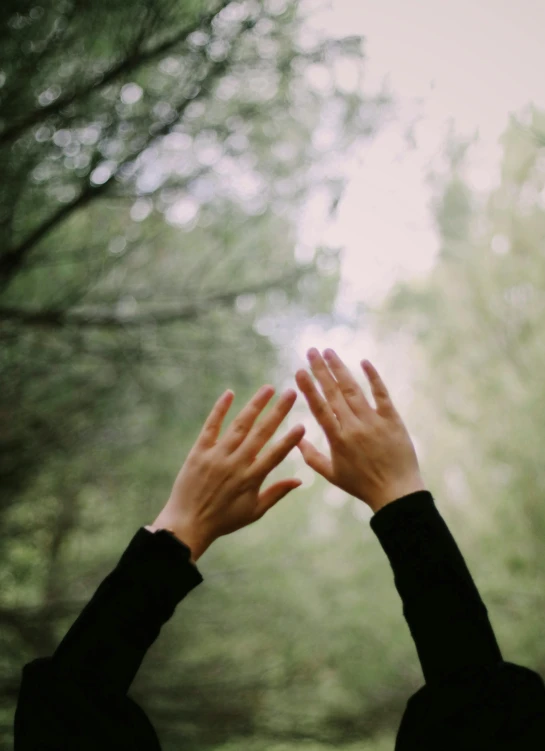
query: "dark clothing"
472, 698
77, 699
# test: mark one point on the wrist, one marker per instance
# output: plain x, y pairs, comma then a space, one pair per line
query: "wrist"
397, 491
197, 546
195, 539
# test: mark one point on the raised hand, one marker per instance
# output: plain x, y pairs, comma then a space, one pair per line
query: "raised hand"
217, 490
372, 454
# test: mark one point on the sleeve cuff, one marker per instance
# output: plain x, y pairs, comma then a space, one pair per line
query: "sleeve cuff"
161, 560
403, 511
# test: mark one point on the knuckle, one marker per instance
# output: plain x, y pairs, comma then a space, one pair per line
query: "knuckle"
350, 391
259, 429
321, 407
238, 426
331, 391
262, 432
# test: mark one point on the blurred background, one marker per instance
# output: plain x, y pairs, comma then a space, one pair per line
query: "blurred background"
192, 194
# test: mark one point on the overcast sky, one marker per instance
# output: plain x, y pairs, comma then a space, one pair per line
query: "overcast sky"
473, 61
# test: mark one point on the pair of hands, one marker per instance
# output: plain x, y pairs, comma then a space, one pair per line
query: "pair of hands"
217, 490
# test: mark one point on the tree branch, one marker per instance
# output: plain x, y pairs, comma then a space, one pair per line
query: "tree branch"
13, 260
107, 317
127, 65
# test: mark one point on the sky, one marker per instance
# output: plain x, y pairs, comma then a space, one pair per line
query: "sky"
471, 61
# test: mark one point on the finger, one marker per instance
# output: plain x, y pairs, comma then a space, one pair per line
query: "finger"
380, 392
277, 453
270, 497
263, 430
316, 460
319, 407
239, 428
212, 425
352, 392
329, 385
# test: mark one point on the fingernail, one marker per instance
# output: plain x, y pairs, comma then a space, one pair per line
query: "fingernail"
329, 354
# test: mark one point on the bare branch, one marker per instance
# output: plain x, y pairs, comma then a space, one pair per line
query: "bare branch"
108, 317
13, 260
127, 65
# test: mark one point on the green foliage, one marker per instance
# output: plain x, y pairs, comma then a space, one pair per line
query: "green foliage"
476, 324
155, 157
153, 174
378, 743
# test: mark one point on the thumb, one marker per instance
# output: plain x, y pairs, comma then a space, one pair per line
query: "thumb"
316, 460
268, 498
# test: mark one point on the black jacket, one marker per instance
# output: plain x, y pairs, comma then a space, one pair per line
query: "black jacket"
77, 699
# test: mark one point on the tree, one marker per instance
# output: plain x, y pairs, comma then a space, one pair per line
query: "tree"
476, 326
169, 120
155, 156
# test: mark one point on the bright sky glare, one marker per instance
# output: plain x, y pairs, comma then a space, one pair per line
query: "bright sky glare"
474, 62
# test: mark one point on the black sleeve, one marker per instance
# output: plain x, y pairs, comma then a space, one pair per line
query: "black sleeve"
443, 609
77, 698
473, 699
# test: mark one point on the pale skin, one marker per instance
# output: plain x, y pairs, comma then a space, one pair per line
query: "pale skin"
218, 489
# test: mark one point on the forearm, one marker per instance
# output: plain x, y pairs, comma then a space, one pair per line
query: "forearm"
109, 639
444, 611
